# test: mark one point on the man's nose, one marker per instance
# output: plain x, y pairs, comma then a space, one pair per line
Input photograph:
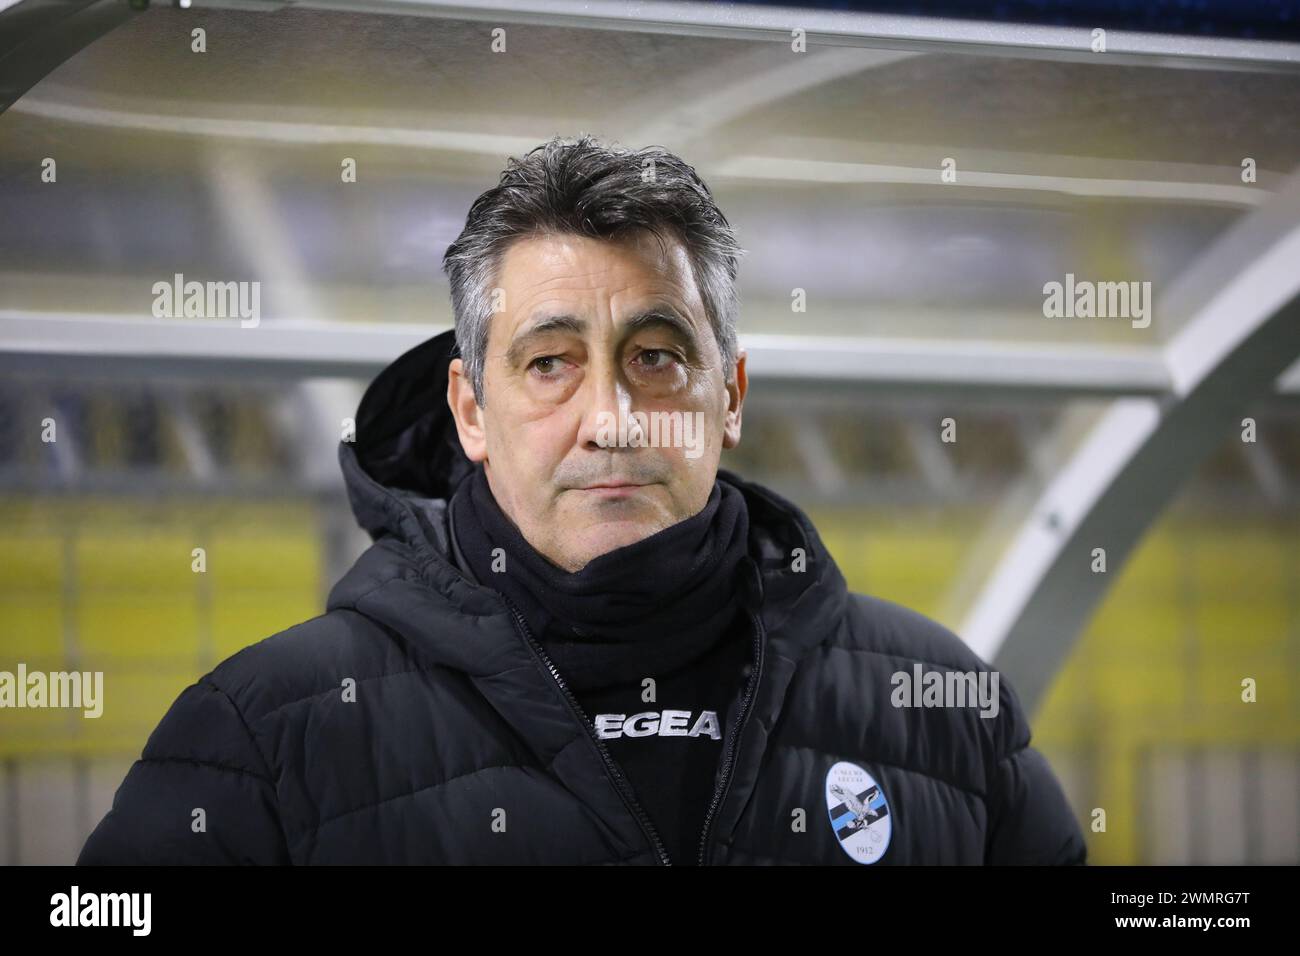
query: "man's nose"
607, 402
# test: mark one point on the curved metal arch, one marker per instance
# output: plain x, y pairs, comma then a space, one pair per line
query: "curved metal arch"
1243, 299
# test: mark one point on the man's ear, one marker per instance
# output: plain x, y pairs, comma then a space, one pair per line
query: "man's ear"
736, 390
466, 412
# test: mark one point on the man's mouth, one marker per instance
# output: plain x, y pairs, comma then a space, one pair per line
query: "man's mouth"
613, 488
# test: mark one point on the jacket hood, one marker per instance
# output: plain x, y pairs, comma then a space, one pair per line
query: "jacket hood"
406, 438
406, 461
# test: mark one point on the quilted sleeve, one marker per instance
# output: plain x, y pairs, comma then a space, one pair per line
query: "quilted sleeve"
1030, 821
201, 793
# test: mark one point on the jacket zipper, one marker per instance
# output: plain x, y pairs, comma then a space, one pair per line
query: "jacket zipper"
724, 780
611, 768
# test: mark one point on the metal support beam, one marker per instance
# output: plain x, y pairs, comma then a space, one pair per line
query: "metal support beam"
845, 28
104, 345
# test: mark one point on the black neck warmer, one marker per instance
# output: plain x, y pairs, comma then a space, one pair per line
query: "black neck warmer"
648, 607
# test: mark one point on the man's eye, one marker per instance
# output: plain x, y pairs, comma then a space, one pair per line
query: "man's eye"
545, 365
657, 359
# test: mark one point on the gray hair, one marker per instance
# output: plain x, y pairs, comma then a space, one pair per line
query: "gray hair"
589, 188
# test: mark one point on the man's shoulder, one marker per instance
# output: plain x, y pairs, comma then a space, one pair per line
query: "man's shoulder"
881, 626
910, 647
307, 661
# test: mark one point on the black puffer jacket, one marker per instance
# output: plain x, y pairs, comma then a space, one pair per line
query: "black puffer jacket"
414, 722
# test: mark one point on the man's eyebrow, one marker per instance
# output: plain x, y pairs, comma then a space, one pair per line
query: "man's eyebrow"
543, 326
661, 317
657, 317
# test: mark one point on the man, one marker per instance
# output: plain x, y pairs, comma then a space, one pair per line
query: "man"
575, 639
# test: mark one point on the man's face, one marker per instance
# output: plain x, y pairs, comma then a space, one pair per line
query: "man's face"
592, 331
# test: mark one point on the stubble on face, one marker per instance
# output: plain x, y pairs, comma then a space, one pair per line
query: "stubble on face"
592, 326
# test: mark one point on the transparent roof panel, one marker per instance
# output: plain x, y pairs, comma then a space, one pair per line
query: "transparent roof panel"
226, 164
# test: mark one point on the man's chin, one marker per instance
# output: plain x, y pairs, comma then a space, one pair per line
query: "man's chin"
612, 534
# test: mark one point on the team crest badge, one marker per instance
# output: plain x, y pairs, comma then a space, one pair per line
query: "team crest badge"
859, 812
